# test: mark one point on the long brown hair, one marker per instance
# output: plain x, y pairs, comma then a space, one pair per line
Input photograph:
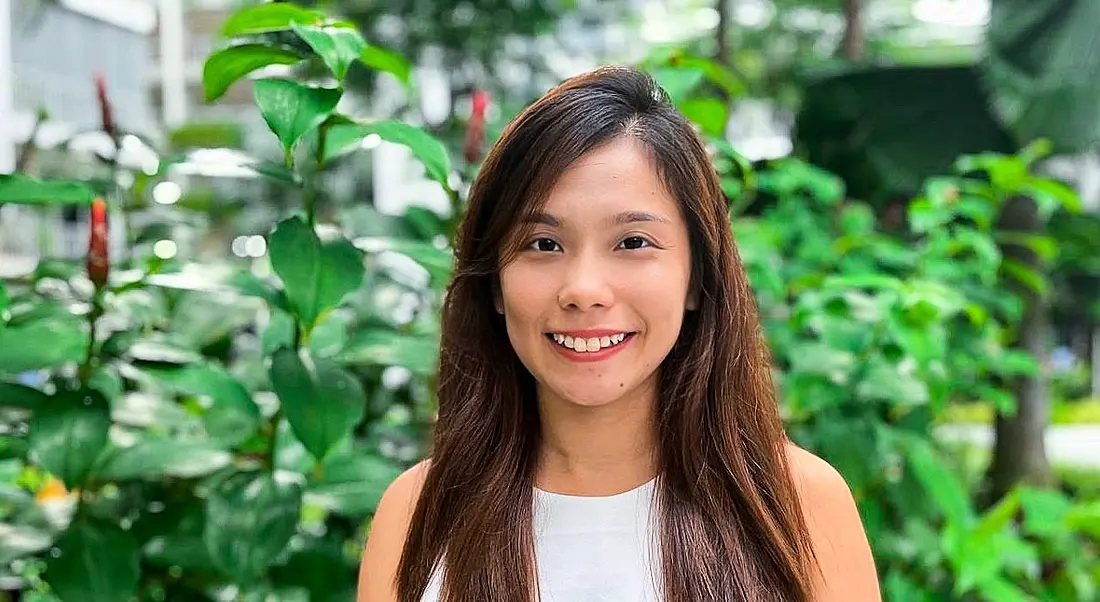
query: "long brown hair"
730, 523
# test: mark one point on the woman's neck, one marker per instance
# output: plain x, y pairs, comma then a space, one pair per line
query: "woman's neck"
599, 450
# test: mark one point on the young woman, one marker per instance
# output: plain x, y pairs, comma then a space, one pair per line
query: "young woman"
608, 428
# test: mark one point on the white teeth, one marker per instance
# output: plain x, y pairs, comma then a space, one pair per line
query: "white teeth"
589, 345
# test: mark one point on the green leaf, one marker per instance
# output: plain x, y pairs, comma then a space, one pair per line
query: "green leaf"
351, 484
1026, 276
18, 188
378, 347
223, 68
14, 395
316, 275
268, 17
678, 83
161, 350
709, 113
382, 59
158, 458
98, 562
1043, 246
43, 343
1045, 512
230, 415
939, 481
1054, 193
338, 47
438, 262
250, 518
346, 137
291, 109
19, 540
68, 434
321, 401
5, 303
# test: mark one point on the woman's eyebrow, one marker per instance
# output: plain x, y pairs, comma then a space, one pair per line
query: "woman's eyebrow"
541, 217
619, 219
630, 217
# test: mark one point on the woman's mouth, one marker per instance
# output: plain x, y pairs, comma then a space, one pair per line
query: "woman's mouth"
589, 345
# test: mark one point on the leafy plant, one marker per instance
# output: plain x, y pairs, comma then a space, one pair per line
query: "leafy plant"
151, 452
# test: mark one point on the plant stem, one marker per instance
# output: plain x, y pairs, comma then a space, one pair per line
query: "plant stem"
85, 371
313, 186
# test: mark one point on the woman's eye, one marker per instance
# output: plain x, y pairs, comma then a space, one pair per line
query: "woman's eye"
634, 242
544, 244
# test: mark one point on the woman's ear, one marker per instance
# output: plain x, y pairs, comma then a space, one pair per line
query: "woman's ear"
498, 298
692, 301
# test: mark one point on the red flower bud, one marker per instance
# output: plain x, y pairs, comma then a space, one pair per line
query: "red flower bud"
106, 114
475, 130
98, 264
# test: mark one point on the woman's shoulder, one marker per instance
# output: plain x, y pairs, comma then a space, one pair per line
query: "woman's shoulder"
847, 567
812, 474
388, 529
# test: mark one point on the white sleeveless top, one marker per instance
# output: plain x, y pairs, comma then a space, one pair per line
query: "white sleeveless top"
592, 549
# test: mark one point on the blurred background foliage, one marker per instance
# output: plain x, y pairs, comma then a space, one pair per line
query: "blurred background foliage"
205, 399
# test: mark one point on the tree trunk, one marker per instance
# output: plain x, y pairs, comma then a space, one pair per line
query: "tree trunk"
851, 47
1019, 453
722, 35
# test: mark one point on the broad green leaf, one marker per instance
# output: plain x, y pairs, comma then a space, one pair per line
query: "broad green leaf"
382, 59
316, 275
1055, 194
98, 562
678, 83
886, 382
438, 262
1026, 276
5, 303
1014, 362
162, 350
1003, 590
44, 343
250, 518
18, 540
330, 335
351, 484
159, 458
1085, 517
291, 109
999, 516
320, 570
174, 537
708, 113
14, 395
321, 401
1044, 511
379, 347
220, 162
18, 188
1043, 246
68, 434
939, 482
274, 16
230, 414
223, 68
338, 47
346, 137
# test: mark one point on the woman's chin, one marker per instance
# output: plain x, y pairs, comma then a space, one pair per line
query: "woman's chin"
588, 396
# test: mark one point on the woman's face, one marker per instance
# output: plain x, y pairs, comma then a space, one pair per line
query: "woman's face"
595, 300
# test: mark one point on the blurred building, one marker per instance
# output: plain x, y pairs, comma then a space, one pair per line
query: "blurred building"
50, 53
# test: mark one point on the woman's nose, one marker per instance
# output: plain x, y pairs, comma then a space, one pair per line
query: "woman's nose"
585, 285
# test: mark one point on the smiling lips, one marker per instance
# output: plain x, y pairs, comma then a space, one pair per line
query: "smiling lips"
589, 345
